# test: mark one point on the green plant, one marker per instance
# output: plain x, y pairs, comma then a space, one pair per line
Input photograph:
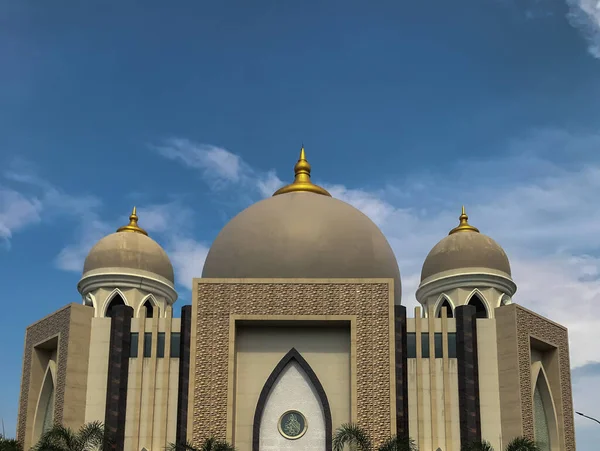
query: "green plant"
482, 445
353, 435
522, 444
9, 444
210, 444
90, 437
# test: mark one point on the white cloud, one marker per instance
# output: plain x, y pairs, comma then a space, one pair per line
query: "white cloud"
585, 16
16, 212
187, 256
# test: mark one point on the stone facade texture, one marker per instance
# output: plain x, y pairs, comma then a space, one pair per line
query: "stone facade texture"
118, 374
370, 302
468, 374
532, 325
56, 324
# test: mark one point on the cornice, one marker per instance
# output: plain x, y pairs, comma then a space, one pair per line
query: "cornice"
466, 280
95, 281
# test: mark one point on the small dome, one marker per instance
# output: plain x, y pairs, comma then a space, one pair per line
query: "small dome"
465, 247
302, 232
130, 248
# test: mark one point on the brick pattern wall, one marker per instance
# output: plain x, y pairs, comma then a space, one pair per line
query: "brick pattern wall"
118, 374
216, 301
532, 325
57, 323
468, 374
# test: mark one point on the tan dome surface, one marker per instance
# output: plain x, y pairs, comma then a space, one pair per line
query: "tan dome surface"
465, 249
129, 250
302, 235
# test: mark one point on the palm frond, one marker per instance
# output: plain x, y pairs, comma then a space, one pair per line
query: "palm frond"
90, 436
522, 444
398, 444
187, 446
7, 444
482, 445
351, 434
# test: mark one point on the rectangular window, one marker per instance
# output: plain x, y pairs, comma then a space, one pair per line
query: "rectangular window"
133, 347
147, 344
175, 343
160, 343
452, 345
411, 345
438, 345
425, 345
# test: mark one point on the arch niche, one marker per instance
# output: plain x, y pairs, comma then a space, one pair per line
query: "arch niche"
116, 300
445, 302
544, 412
476, 300
275, 400
44, 413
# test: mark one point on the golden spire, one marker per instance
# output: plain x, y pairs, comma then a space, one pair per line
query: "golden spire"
302, 179
464, 225
133, 225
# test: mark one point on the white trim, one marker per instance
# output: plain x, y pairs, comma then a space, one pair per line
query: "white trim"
93, 282
90, 299
152, 299
482, 298
466, 280
110, 298
438, 304
537, 371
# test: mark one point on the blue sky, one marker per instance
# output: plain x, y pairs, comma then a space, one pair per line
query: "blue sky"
407, 111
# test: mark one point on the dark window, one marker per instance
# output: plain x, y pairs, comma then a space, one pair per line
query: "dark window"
175, 343
411, 345
133, 348
449, 312
149, 309
425, 345
439, 351
160, 345
480, 310
115, 301
147, 344
452, 345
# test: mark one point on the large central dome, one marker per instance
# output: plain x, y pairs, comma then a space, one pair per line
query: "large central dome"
302, 232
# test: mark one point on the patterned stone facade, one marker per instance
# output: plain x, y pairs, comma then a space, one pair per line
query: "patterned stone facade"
56, 324
530, 325
216, 300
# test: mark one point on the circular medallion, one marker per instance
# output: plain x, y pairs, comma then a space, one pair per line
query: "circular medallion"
292, 425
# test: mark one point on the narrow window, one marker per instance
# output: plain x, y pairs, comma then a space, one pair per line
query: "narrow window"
114, 302
133, 348
160, 345
411, 345
480, 310
425, 345
438, 345
149, 309
449, 312
175, 344
147, 344
452, 345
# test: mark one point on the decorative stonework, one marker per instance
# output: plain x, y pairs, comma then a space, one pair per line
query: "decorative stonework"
51, 326
370, 302
531, 325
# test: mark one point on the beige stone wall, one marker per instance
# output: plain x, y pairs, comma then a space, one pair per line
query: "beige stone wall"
66, 334
212, 362
489, 388
95, 407
517, 328
152, 387
259, 350
433, 387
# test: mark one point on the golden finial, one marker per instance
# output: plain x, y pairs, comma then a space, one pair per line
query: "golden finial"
133, 225
302, 179
464, 225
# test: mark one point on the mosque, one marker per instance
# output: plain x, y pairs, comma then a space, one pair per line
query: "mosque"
296, 327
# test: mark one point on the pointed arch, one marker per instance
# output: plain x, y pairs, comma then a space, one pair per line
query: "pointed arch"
444, 301
292, 355
44, 412
151, 305
477, 300
544, 409
114, 299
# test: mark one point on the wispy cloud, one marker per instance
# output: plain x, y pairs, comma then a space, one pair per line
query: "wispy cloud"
585, 16
16, 212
